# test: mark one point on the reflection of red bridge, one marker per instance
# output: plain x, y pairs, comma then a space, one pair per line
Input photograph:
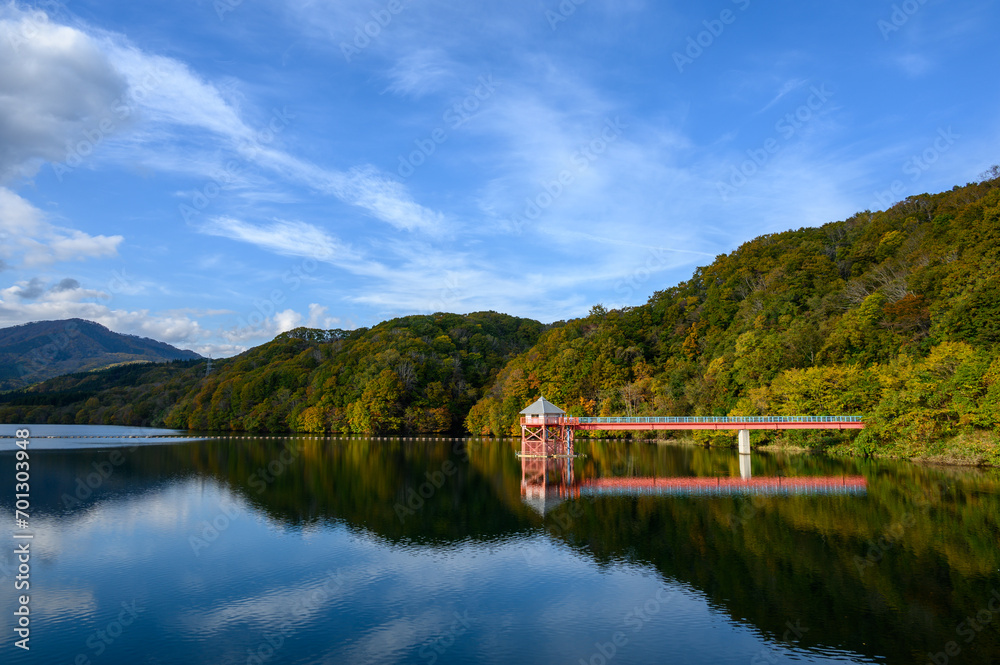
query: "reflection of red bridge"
547, 431
547, 482
695, 486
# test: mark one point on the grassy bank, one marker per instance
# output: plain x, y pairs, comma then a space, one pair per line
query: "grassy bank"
978, 448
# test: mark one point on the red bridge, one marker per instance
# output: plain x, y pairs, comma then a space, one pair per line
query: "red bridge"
547, 431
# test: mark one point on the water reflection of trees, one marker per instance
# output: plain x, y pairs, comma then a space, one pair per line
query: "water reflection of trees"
893, 572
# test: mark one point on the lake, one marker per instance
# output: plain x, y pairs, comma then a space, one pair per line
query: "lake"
311, 550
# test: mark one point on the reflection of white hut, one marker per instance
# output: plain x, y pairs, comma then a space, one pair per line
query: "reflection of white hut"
543, 430
545, 483
542, 499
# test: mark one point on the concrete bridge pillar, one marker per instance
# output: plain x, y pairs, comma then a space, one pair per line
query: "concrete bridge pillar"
745, 471
744, 441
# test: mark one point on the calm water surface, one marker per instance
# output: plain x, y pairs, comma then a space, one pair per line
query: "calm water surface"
305, 550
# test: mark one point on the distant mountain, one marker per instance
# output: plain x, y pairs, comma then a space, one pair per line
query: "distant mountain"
37, 351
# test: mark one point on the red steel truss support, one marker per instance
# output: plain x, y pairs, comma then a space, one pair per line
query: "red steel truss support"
545, 436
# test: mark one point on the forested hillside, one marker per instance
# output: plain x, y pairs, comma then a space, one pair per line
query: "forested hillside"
892, 315
414, 374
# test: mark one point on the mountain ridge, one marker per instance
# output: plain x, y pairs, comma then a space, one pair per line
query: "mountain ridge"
40, 350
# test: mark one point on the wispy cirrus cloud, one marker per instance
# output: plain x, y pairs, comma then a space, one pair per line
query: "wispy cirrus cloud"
180, 99
786, 87
387, 200
288, 238
421, 72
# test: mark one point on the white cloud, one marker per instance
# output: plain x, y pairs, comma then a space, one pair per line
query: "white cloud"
25, 290
287, 320
56, 88
257, 329
319, 318
67, 289
29, 240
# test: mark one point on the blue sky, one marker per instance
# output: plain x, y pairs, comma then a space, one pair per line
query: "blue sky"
211, 173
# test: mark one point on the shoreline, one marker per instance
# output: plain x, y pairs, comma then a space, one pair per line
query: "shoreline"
979, 449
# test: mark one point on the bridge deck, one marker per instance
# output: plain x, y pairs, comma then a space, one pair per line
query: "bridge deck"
701, 423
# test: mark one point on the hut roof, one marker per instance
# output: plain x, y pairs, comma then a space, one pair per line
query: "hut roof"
543, 407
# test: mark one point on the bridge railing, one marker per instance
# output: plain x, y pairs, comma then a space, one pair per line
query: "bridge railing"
715, 419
